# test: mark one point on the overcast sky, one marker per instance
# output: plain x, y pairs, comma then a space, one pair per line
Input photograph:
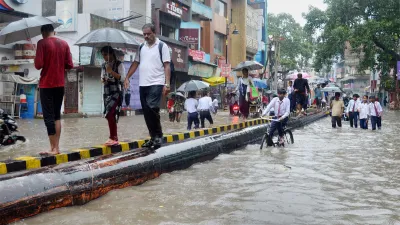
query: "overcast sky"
294, 7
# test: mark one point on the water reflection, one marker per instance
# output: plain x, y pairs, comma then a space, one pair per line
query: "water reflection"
342, 176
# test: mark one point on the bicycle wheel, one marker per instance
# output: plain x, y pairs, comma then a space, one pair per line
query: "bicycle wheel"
264, 140
289, 140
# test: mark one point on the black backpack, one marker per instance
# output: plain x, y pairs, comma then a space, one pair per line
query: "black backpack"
160, 47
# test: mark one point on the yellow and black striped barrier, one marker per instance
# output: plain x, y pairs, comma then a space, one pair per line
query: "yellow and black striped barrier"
30, 162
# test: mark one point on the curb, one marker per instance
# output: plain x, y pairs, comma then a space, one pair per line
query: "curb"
31, 162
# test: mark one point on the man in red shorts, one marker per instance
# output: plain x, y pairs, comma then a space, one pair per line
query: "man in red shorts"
53, 57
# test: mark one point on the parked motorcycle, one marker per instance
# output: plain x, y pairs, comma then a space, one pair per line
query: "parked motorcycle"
8, 130
236, 109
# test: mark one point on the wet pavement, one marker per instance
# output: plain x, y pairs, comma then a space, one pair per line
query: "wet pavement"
329, 176
86, 132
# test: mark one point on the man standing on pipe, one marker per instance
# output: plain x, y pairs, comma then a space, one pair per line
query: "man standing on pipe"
53, 57
153, 60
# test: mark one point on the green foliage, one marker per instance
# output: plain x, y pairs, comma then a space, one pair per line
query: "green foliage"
371, 27
296, 46
388, 83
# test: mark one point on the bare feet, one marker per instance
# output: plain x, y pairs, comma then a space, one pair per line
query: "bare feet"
50, 153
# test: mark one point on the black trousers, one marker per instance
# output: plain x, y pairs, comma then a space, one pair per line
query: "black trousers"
51, 100
205, 115
193, 118
338, 120
150, 98
376, 122
353, 116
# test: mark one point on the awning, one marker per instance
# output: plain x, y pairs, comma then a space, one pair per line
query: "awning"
348, 78
214, 81
21, 80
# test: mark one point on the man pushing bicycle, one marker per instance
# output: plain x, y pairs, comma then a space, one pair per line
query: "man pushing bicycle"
281, 105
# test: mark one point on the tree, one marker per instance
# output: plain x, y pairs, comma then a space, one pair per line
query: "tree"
371, 26
296, 48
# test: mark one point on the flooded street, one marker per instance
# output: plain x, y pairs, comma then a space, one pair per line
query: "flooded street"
87, 132
342, 176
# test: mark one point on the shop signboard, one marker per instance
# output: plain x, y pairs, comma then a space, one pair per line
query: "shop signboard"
201, 70
176, 9
179, 57
398, 70
190, 36
225, 70
32, 7
197, 55
250, 2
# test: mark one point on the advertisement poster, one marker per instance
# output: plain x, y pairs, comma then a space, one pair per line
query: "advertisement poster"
225, 70
398, 70
134, 88
66, 11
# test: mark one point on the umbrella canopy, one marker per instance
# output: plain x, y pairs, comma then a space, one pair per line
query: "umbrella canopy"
193, 85
293, 76
108, 36
214, 81
176, 94
250, 65
25, 29
331, 89
259, 83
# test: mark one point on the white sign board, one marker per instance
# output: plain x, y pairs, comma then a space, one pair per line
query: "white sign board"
66, 11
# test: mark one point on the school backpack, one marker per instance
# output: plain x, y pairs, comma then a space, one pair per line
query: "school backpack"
160, 47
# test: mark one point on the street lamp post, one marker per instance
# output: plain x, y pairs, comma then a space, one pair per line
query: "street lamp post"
234, 32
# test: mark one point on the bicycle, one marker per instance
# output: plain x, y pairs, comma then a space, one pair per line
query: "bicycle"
274, 141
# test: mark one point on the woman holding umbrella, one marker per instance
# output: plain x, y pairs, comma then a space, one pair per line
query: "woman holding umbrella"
178, 106
244, 88
111, 76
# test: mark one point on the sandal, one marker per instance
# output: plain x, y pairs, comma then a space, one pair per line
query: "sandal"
111, 143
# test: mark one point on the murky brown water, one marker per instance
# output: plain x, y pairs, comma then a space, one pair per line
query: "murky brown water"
86, 132
343, 176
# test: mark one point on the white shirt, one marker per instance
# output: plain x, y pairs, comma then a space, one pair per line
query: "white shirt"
151, 70
372, 111
352, 104
282, 108
245, 81
191, 105
204, 103
363, 109
215, 103
289, 90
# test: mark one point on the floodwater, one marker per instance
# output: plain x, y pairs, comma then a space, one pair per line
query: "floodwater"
86, 132
329, 176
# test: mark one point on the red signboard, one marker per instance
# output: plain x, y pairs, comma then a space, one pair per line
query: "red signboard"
221, 61
197, 55
190, 36
225, 70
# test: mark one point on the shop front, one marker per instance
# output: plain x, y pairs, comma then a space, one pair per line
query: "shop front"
179, 57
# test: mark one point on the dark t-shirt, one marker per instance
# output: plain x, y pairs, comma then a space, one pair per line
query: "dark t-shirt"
301, 85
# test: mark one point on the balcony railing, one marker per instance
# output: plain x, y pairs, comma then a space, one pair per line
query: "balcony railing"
251, 43
202, 10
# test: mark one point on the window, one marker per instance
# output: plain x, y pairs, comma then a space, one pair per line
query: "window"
218, 43
167, 31
220, 8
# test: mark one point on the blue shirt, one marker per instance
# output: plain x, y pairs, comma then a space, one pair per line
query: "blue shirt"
317, 92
